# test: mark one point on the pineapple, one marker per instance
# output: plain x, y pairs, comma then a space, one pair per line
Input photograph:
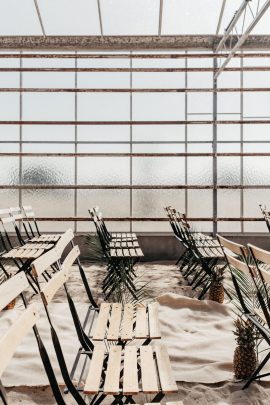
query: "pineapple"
216, 291
245, 357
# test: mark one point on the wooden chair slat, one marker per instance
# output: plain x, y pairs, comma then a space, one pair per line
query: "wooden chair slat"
127, 323
148, 370
65, 239
232, 246
260, 254
71, 257
93, 379
42, 263
154, 329
49, 290
141, 330
166, 378
266, 275
133, 252
242, 266
130, 378
15, 334
139, 252
115, 321
102, 321
11, 288
111, 385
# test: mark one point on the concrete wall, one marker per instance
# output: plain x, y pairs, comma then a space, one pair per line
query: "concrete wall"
166, 247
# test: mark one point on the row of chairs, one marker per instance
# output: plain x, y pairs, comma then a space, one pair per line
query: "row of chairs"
115, 367
201, 253
122, 251
248, 270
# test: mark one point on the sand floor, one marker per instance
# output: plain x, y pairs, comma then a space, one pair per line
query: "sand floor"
162, 278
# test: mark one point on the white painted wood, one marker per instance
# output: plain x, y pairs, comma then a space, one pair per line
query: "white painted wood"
154, 329
238, 264
15, 334
141, 330
127, 323
115, 321
44, 262
93, 379
11, 288
166, 378
65, 239
101, 323
130, 377
111, 385
260, 254
49, 289
148, 370
71, 257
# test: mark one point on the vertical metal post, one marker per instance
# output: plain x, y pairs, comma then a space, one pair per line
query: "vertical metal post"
186, 136
214, 147
20, 132
241, 147
130, 145
76, 144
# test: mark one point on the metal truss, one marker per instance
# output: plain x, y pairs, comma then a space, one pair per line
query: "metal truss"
226, 43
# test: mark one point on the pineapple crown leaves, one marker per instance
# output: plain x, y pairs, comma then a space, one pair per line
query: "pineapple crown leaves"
245, 333
217, 275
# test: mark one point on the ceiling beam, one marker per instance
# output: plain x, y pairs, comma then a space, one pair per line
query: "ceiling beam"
116, 43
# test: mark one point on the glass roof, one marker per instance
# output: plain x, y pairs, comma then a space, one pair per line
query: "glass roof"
122, 17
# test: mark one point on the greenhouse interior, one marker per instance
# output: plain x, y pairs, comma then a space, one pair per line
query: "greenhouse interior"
135, 202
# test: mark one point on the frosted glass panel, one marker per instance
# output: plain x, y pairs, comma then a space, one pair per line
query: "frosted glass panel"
9, 198
200, 132
158, 170
256, 170
47, 133
228, 103
173, 80
200, 170
49, 79
164, 133
200, 203
200, 103
252, 199
199, 80
51, 203
151, 203
99, 170
10, 104
49, 170
107, 106
8, 133
48, 106
228, 132
259, 132
9, 170
256, 104
228, 170
228, 203
103, 80
99, 133
155, 106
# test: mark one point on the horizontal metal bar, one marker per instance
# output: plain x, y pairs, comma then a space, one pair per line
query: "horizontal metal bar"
131, 187
128, 143
129, 90
134, 70
184, 154
184, 122
150, 219
129, 56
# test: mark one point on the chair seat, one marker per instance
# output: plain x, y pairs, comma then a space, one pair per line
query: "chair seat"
46, 238
126, 252
20, 253
45, 246
155, 374
124, 244
127, 322
124, 235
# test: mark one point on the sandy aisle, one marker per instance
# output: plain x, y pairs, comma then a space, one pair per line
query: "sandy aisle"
162, 279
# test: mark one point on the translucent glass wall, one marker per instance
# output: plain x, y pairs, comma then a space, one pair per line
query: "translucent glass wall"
52, 174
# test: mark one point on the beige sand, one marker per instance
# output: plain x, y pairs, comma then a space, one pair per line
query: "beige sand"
163, 279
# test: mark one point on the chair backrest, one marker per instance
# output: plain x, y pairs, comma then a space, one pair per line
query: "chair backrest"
9, 225
64, 240
31, 219
60, 278
19, 217
259, 254
236, 248
26, 321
